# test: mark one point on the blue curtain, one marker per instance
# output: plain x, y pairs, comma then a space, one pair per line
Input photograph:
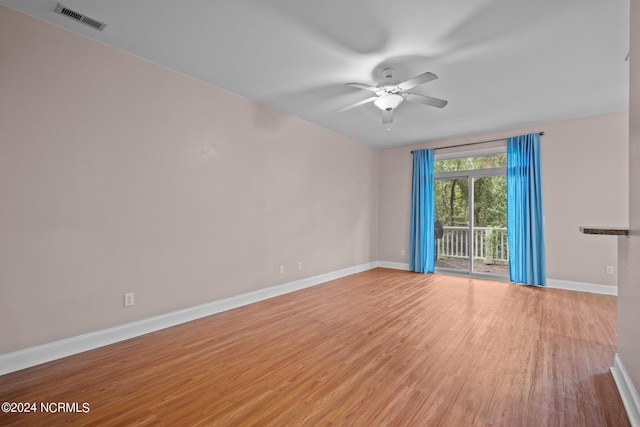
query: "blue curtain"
421, 238
524, 211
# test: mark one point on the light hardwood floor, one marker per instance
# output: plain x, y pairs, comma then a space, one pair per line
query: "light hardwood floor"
383, 347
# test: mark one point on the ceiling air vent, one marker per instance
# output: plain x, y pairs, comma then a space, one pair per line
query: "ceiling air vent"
77, 16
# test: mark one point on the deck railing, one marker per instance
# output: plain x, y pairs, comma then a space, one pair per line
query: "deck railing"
455, 243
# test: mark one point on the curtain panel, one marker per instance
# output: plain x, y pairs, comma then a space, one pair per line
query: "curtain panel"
525, 233
421, 238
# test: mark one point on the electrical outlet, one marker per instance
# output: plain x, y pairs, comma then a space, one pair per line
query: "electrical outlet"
299, 266
128, 299
402, 252
282, 269
610, 269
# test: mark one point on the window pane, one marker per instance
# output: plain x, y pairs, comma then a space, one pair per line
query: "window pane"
452, 223
470, 163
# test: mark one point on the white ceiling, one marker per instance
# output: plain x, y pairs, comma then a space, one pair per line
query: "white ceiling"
501, 63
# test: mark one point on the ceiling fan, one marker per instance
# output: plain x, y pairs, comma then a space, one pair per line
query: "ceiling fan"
391, 93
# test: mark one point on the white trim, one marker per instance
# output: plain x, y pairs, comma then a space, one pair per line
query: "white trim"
394, 265
582, 287
628, 392
21, 359
551, 283
471, 173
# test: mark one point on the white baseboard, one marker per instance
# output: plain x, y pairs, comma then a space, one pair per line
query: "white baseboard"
582, 287
21, 359
551, 283
394, 265
627, 390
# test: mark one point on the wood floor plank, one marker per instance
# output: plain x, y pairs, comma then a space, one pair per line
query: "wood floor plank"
382, 347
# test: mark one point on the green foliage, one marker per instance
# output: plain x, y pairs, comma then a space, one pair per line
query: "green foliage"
452, 195
491, 242
490, 196
451, 201
470, 163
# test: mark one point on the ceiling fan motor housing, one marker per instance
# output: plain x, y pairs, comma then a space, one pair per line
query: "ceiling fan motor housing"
389, 85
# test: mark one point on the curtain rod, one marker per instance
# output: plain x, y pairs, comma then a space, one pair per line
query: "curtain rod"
475, 143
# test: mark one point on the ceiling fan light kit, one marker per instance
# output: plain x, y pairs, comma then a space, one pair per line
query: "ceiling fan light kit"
388, 101
391, 93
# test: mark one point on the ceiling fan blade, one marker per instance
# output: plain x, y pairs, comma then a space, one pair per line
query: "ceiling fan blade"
417, 80
357, 104
387, 116
423, 99
364, 86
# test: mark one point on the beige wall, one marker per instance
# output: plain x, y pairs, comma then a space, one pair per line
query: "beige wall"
118, 175
584, 179
629, 289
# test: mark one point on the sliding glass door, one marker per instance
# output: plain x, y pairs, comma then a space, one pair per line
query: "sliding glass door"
470, 229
